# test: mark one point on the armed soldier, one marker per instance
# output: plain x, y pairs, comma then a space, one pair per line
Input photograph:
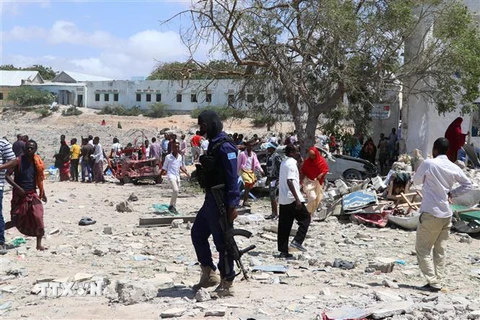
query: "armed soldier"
218, 166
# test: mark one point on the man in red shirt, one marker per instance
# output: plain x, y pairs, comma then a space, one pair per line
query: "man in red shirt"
195, 144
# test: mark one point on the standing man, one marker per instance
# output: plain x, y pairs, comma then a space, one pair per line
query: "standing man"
172, 166
438, 175
27, 209
274, 160
292, 205
195, 144
6, 154
224, 171
392, 145
19, 146
165, 141
75, 159
86, 151
98, 158
382, 153
155, 150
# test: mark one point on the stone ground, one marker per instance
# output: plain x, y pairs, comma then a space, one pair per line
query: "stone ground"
150, 271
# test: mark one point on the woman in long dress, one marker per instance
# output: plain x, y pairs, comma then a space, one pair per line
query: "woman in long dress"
313, 172
456, 138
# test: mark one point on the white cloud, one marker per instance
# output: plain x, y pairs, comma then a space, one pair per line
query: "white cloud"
119, 57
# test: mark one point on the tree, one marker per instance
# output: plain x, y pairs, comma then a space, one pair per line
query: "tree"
338, 57
193, 70
47, 73
28, 96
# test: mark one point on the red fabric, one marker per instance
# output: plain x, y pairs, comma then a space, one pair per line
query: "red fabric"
65, 171
27, 214
312, 168
196, 139
456, 138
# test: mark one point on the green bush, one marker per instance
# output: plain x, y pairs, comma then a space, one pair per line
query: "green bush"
120, 110
71, 111
223, 112
44, 112
28, 96
157, 110
262, 120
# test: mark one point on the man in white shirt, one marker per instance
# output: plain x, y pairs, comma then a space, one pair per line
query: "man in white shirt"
98, 156
438, 176
116, 149
292, 205
172, 166
204, 146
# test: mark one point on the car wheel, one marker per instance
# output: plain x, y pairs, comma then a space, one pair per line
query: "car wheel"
352, 175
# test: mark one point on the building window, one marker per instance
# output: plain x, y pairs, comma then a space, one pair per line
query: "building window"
261, 98
193, 97
115, 97
179, 97
231, 99
208, 98
139, 97
106, 97
149, 97
250, 98
1, 95
97, 96
159, 97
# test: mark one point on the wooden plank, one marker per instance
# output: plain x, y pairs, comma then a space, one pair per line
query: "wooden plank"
167, 220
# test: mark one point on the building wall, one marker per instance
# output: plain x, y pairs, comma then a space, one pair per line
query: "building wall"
102, 93
4, 95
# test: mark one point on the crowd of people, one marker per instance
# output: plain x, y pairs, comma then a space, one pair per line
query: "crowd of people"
295, 188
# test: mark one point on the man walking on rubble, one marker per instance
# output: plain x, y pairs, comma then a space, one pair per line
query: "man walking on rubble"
221, 169
292, 205
437, 175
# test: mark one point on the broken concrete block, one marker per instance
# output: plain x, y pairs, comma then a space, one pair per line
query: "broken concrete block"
390, 284
100, 251
215, 313
392, 309
358, 285
44, 279
177, 223
79, 277
134, 292
202, 295
474, 315
124, 206
172, 313
133, 197
107, 230
385, 267
385, 296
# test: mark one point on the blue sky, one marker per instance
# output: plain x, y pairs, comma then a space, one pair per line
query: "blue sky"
117, 39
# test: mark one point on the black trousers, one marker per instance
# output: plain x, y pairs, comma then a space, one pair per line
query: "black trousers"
288, 213
74, 169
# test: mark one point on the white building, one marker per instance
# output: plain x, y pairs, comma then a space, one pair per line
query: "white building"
179, 96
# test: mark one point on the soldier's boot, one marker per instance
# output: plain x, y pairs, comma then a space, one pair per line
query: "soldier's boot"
208, 278
224, 289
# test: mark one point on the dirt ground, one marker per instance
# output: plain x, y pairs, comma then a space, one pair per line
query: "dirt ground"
157, 266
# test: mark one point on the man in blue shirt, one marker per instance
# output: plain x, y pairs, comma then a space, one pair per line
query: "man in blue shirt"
6, 154
207, 222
